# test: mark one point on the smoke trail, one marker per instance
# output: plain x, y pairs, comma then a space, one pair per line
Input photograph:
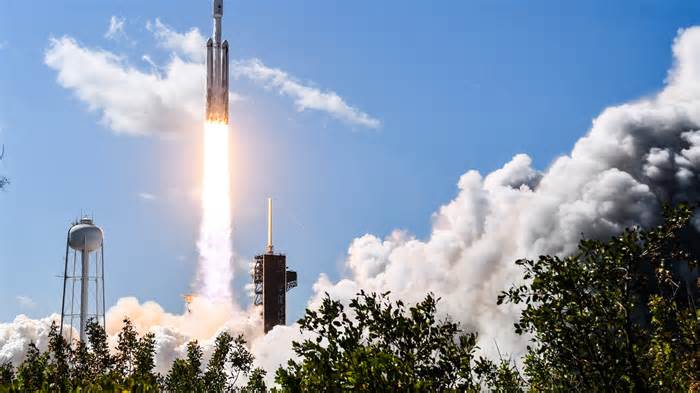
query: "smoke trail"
215, 272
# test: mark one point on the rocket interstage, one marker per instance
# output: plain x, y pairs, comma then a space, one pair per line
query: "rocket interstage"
217, 71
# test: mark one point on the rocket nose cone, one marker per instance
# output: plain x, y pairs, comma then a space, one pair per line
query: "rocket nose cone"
218, 8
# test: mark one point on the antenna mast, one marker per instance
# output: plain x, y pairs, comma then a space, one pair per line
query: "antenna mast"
269, 226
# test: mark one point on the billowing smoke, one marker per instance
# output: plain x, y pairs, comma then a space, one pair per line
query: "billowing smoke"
635, 157
16, 336
203, 320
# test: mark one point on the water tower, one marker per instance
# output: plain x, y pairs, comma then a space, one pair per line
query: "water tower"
83, 277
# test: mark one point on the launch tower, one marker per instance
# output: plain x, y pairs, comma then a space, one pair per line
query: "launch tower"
272, 281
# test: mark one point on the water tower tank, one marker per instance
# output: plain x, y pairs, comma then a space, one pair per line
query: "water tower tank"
85, 236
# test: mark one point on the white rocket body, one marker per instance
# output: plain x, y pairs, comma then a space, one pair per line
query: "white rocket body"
217, 71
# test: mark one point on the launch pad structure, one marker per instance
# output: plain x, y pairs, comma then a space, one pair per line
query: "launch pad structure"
272, 280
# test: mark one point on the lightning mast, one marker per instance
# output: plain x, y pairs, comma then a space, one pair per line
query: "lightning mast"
272, 280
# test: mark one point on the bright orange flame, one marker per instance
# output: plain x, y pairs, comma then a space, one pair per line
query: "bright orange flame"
215, 252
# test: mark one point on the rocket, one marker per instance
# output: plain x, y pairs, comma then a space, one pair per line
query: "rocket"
217, 71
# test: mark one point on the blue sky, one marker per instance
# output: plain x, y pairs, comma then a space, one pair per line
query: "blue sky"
456, 86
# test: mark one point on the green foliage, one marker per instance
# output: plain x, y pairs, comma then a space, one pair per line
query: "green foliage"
31, 374
230, 360
256, 382
674, 350
186, 374
614, 316
80, 359
127, 347
240, 359
144, 360
7, 374
215, 377
85, 366
101, 362
58, 370
381, 347
500, 377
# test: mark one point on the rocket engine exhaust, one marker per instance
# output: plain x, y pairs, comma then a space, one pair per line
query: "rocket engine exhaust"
214, 245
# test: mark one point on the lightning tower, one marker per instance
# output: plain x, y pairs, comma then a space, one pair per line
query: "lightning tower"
272, 281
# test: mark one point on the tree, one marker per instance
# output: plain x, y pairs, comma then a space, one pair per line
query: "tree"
127, 346
7, 375
501, 377
381, 346
144, 361
615, 315
101, 361
256, 382
240, 360
58, 370
185, 375
215, 376
81, 364
31, 373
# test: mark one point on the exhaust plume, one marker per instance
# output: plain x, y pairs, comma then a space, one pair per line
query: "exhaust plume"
215, 252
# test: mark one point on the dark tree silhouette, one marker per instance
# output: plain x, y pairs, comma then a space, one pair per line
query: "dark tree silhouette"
615, 315
380, 346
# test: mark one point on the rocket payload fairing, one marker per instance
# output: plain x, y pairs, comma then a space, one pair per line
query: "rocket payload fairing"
217, 71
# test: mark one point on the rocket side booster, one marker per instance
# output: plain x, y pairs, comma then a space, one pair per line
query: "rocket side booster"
217, 71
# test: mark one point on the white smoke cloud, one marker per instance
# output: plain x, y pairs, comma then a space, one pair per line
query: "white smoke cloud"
15, 336
202, 320
635, 156
170, 99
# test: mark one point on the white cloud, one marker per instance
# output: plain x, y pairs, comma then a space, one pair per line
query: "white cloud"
147, 196
130, 101
190, 44
168, 99
25, 301
116, 28
305, 97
